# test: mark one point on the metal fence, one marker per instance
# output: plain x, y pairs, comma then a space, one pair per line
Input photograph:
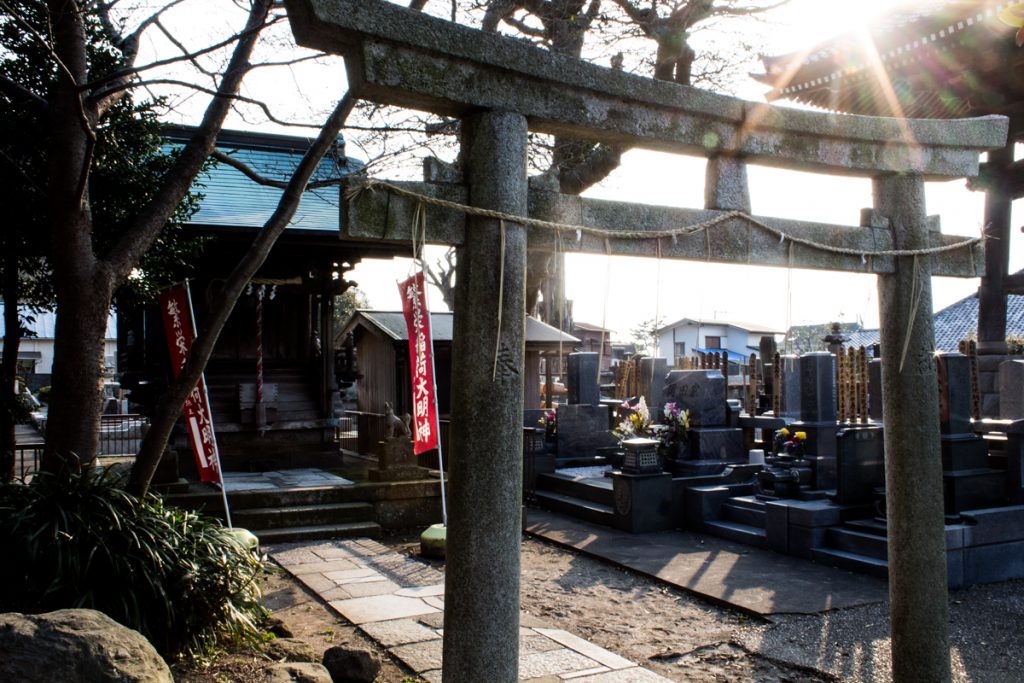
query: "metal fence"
28, 459
120, 435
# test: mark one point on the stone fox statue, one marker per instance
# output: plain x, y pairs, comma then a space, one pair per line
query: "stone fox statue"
397, 426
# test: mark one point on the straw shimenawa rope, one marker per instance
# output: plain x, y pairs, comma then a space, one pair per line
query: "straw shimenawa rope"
354, 191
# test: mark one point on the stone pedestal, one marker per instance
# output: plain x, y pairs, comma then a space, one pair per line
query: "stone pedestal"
583, 386
724, 444
396, 461
582, 429
643, 502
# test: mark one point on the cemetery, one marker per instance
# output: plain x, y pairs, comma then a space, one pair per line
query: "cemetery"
798, 467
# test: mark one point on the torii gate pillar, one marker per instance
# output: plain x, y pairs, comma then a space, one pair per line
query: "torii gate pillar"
481, 616
913, 466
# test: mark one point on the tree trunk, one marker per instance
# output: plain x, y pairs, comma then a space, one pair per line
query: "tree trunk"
170, 405
9, 365
83, 292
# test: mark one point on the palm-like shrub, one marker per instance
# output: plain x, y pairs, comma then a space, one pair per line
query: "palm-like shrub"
78, 540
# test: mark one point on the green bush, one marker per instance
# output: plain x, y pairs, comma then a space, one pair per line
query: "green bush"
80, 541
44, 394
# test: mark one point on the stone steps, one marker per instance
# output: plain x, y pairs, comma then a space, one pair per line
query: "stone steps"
736, 531
588, 511
851, 561
319, 532
302, 515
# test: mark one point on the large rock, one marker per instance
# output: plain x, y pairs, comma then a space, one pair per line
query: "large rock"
290, 650
351, 666
296, 672
75, 645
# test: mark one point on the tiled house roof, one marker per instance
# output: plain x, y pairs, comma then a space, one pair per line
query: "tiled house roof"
957, 322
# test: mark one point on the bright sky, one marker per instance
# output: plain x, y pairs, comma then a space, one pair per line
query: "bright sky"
619, 292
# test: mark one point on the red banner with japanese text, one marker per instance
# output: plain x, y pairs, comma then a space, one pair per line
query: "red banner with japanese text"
421, 364
176, 308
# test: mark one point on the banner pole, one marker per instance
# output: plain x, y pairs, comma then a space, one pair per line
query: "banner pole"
437, 413
206, 397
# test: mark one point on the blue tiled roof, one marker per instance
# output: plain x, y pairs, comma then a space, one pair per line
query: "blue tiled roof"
230, 199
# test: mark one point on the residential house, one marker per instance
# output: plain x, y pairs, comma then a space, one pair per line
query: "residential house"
35, 352
688, 337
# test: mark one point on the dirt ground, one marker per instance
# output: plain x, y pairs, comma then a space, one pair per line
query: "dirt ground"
666, 630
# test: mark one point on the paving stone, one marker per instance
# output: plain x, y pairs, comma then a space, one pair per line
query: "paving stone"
530, 621
357, 575
588, 649
294, 556
329, 551
435, 620
552, 663
421, 591
336, 593
367, 589
435, 602
580, 674
322, 566
380, 608
432, 676
634, 675
536, 643
420, 656
316, 582
399, 632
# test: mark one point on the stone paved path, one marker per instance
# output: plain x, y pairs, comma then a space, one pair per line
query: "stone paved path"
399, 602
283, 479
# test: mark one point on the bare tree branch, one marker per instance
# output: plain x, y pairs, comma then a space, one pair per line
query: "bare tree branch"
152, 217
21, 96
257, 177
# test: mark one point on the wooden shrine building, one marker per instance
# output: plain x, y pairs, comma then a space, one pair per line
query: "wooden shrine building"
298, 282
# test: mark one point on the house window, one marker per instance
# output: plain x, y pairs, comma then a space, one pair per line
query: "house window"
680, 349
712, 342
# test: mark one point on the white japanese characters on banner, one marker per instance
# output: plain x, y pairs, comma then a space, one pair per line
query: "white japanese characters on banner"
421, 364
177, 314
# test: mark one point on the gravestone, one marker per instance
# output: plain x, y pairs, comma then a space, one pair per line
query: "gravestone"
582, 430
711, 443
875, 389
818, 415
954, 374
818, 387
652, 382
702, 392
582, 379
968, 481
860, 465
790, 392
1011, 390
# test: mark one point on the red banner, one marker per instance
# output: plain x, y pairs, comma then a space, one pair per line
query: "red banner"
421, 364
176, 307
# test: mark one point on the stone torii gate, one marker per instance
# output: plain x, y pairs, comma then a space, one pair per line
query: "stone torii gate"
500, 88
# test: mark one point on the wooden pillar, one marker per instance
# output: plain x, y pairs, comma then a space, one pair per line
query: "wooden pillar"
481, 618
992, 294
328, 384
913, 464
